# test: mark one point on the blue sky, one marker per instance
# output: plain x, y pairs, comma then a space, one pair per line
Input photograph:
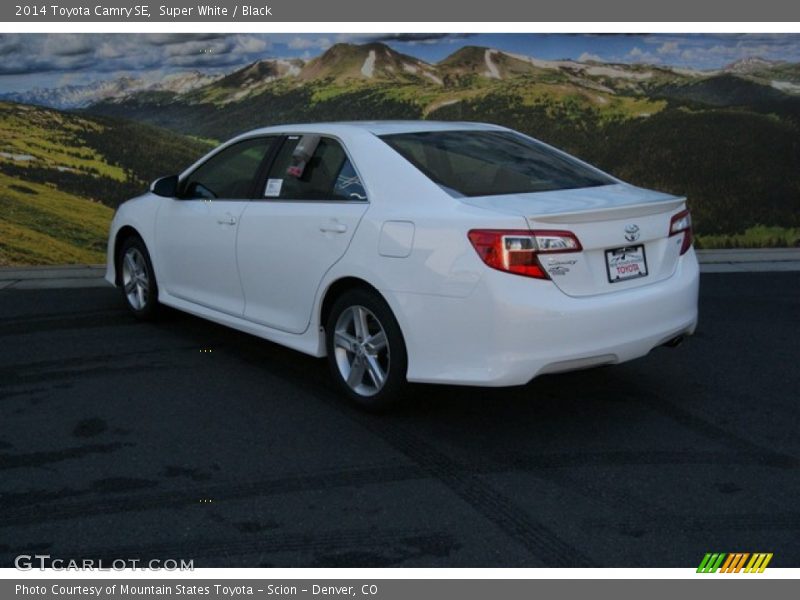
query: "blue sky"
52, 60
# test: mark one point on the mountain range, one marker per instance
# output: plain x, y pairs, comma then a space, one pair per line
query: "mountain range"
376, 62
721, 137
728, 139
81, 96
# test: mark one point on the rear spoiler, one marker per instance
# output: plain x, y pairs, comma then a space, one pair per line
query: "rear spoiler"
625, 211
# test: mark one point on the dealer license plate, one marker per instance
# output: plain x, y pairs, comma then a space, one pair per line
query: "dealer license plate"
626, 263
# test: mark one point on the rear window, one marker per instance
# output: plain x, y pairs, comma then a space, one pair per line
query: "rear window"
490, 163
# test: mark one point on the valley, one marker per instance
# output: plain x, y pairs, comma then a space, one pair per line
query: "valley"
727, 139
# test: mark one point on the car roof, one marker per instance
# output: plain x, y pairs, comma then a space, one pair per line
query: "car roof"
376, 127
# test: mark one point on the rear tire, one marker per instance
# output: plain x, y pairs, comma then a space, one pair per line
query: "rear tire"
366, 351
137, 278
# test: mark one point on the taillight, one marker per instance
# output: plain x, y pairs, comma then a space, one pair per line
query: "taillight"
682, 223
516, 251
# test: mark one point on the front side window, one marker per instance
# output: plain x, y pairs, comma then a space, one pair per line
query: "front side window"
327, 174
230, 174
490, 163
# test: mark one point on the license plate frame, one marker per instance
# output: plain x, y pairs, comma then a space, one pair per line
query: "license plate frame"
639, 259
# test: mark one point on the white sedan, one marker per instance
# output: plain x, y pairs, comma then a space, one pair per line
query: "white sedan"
456, 253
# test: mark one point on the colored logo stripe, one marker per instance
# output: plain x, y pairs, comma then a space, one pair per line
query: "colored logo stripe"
734, 562
758, 563
711, 562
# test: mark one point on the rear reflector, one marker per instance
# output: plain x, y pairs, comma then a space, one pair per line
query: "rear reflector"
682, 224
516, 251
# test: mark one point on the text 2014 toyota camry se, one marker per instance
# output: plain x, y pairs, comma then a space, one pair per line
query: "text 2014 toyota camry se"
456, 253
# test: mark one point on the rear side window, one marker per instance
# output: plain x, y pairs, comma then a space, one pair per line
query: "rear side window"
230, 174
490, 163
327, 175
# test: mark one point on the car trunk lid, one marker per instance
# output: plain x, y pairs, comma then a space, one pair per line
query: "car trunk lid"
623, 231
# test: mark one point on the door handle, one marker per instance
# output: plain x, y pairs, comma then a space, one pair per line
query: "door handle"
227, 220
333, 227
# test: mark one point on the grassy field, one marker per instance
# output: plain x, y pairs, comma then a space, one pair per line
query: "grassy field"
49, 138
728, 144
42, 225
62, 174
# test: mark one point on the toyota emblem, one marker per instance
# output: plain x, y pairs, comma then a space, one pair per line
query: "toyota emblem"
631, 232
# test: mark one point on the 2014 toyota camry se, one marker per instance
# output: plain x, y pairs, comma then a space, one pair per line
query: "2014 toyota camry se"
457, 253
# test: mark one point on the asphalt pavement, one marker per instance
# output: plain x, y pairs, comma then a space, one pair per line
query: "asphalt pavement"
183, 439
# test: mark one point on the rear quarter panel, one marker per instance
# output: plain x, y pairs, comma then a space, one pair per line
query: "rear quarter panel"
441, 260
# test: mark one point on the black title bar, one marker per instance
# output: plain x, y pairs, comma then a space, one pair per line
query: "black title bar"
401, 10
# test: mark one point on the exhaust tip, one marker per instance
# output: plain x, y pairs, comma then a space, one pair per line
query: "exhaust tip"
674, 342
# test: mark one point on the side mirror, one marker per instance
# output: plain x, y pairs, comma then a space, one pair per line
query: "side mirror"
165, 186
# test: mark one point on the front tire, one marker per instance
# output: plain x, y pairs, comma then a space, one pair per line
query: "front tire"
139, 287
366, 352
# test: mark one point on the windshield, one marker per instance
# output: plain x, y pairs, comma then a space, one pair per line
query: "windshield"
490, 163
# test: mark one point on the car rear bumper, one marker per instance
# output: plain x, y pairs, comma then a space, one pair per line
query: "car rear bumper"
513, 328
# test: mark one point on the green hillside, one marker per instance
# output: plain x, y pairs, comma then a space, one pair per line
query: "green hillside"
738, 168
62, 174
43, 225
729, 142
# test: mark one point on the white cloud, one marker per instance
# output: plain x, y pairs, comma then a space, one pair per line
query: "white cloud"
343, 38
198, 47
587, 56
107, 51
307, 43
711, 51
249, 44
638, 55
668, 48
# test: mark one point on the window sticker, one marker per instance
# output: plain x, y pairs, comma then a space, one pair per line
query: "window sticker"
273, 189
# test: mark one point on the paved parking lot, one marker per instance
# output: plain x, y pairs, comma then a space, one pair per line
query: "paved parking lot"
183, 439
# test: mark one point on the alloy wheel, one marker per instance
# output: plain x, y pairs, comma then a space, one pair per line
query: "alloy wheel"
361, 350
135, 280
